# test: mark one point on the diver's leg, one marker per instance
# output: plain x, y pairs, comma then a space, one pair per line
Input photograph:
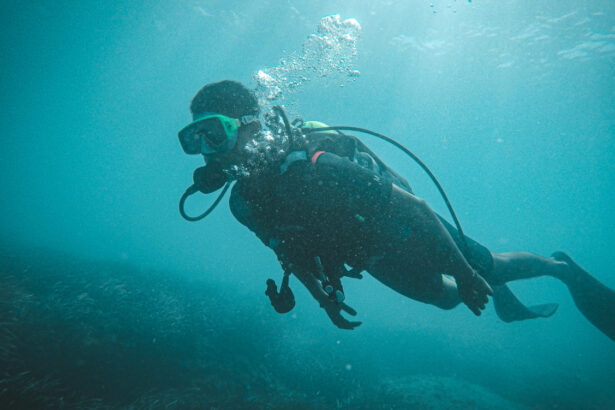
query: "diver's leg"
593, 299
434, 289
511, 266
498, 268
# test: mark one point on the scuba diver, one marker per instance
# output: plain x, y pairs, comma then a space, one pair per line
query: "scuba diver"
330, 208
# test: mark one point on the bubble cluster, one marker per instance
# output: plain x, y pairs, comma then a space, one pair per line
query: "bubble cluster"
264, 149
330, 51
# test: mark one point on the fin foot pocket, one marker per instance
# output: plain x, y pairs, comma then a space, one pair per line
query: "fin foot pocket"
510, 309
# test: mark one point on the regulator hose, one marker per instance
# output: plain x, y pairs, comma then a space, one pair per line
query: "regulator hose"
192, 190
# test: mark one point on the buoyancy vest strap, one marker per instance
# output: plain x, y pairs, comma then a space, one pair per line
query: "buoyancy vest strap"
294, 156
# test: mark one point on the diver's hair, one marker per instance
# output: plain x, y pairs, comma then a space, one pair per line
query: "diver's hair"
227, 97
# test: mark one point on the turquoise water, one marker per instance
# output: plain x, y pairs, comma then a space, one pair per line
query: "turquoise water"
510, 103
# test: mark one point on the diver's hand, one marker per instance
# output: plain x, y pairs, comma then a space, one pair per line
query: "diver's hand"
332, 306
334, 311
474, 291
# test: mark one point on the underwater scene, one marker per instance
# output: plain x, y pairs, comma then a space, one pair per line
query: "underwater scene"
339, 147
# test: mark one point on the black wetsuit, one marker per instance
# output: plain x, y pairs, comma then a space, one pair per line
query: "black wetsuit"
328, 205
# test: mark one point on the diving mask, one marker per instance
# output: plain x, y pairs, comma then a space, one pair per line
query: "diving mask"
212, 133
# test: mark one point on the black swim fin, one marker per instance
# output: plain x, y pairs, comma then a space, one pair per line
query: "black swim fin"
510, 309
595, 301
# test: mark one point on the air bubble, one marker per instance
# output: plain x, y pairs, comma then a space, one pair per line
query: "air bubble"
330, 51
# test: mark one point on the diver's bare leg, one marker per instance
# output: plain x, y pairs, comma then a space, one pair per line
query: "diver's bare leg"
511, 266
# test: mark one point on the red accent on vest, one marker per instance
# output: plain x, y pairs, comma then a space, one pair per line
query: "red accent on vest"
316, 155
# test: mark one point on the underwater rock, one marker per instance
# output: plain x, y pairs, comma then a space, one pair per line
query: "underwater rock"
438, 392
82, 334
